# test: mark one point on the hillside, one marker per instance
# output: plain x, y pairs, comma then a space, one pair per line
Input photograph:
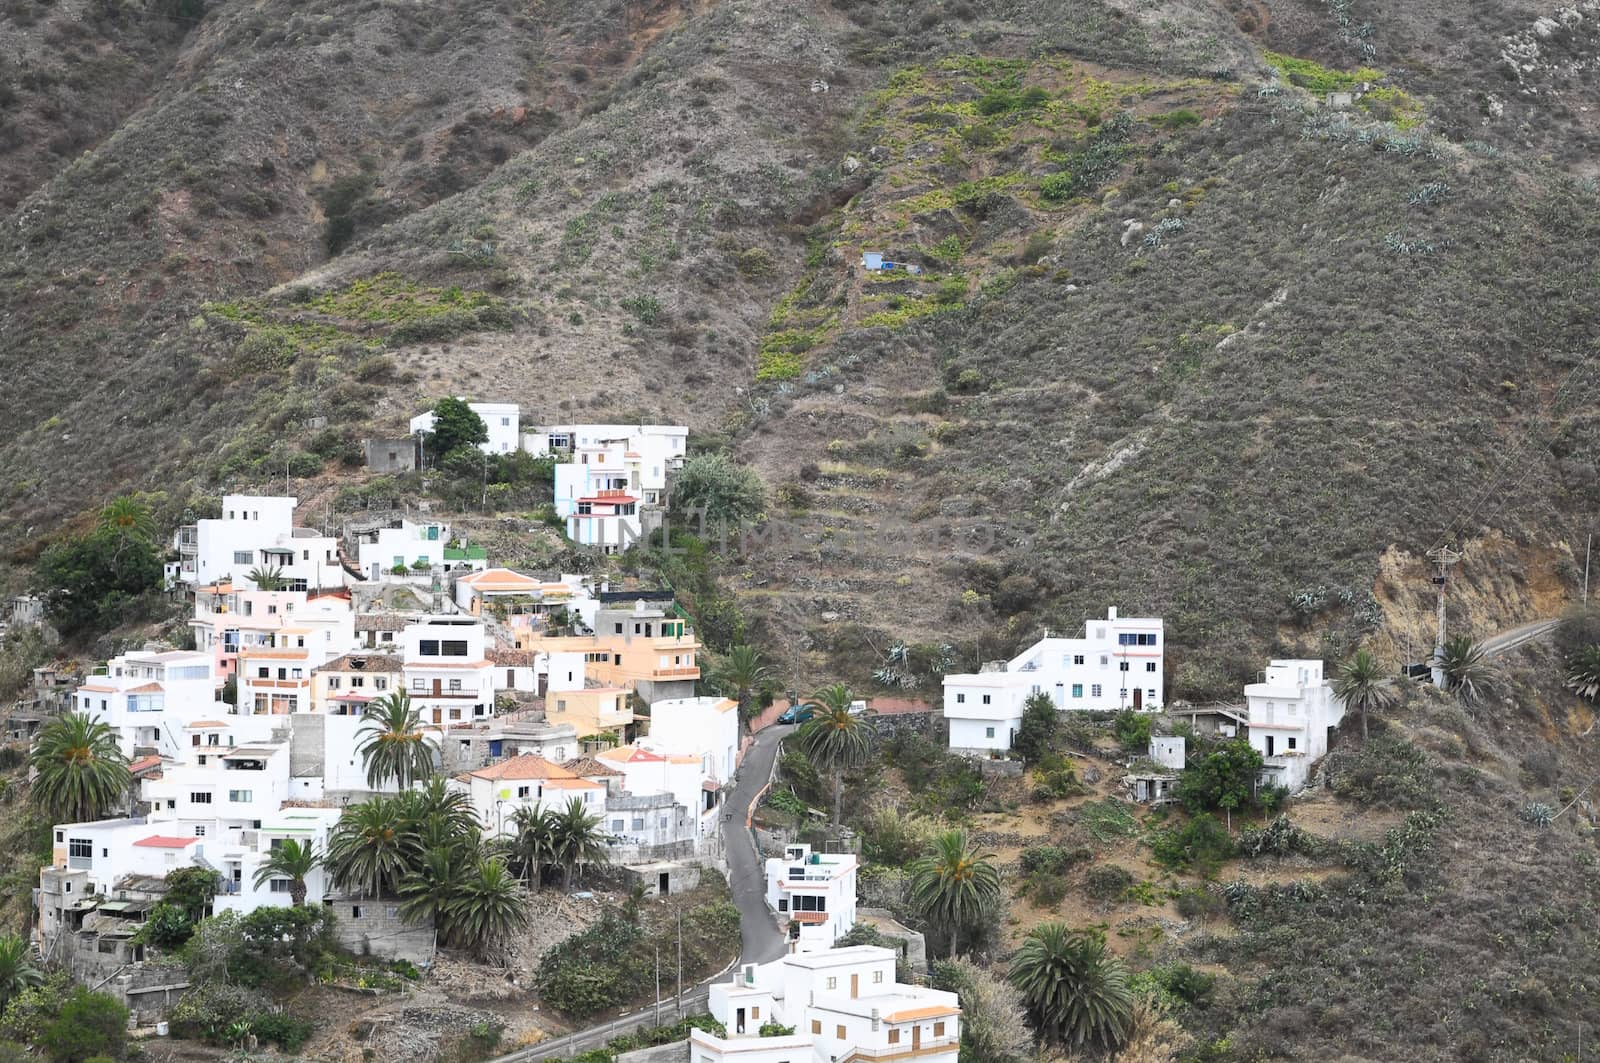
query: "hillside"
1328, 337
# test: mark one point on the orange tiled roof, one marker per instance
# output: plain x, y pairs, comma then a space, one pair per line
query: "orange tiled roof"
526, 766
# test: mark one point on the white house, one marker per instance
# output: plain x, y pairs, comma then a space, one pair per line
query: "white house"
525, 781
650, 452
814, 895
414, 547
678, 774
257, 531
1118, 663
500, 418
446, 669
1291, 711
144, 696
705, 727
843, 1004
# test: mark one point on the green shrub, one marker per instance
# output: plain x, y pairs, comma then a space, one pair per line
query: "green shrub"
1202, 844
1045, 890
1108, 882
288, 1032
1133, 730
647, 308
1386, 771
756, 263
1054, 859
89, 1024
1178, 119
1200, 903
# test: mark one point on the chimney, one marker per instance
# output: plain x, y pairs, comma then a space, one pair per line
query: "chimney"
1111, 614
875, 1020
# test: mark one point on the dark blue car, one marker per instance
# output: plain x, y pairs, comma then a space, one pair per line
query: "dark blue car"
795, 714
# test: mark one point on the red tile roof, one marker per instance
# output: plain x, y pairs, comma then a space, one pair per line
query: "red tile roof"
526, 766
165, 841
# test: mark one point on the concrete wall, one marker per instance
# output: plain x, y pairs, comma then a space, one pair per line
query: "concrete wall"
370, 927
390, 455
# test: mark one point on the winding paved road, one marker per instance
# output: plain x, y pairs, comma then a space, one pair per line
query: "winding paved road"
762, 941
1511, 639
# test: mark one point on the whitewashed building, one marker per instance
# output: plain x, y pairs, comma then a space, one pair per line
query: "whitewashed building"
411, 550
1291, 711
258, 531
814, 895
500, 418
146, 696
529, 782
446, 669
1118, 663
843, 1004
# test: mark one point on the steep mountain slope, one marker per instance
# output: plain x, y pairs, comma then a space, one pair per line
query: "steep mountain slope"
1323, 335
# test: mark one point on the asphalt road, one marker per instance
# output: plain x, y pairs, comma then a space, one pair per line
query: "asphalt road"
763, 941
1510, 640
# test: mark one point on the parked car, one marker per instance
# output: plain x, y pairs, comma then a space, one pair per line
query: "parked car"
795, 714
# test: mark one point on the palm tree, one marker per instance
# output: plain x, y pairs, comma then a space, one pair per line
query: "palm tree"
367, 851
835, 738
293, 860
428, 889
435, 814
1076, 994
578, 839
489, 906
1583, 672
953, 884
743, 673
394, 746
82, 772
1362, 685
1466, 668
533, 842
17, 971
127, 518
267, 579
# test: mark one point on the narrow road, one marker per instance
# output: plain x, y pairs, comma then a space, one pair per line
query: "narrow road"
762, 941
1511, 639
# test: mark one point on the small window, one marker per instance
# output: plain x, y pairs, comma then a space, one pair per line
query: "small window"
524, 791
894, 1036
816, 1024
1122, 666
1077, 690
961, 699
1094, 690
1077, 658
987, 699
81, 847
428, 647
877, 977
783, 904
454, 686
200, 797
938, 1029
419, 684
199, 832
988, 732
839, 1032
1149, 666
453, 648
1291, 743
243, 557
755, 1012
355, 911
833, 983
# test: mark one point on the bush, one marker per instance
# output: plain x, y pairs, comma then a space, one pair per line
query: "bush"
1057, 777
287, 1031
1054, 859
209, 1008
1224, 778
1045, 890
1200, 904
89, 1024
1386, 771
1133, 730
647, 308
1200, 845
167, 927
1278, 838
1108, 882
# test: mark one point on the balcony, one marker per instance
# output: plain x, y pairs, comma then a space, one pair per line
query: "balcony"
689, 672
904, 1051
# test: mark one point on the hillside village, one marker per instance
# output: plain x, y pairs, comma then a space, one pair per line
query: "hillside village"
799, 531
534, 729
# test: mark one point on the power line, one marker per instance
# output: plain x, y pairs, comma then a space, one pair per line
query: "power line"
1495, 483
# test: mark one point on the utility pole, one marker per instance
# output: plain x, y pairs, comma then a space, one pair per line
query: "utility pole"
1442, 557
680, 964
658, 984
1588, 548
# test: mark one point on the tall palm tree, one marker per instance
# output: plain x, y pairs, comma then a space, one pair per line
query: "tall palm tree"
489, 906
17, 970
269, 578
1466, 668
533, 842
742, 673
82, 772
1362, 685
393, 743
578, 840
953, 884
435, 814
293, 860
428, 889
1076, 994
835, 739
1583, 672
367, 851
127, 517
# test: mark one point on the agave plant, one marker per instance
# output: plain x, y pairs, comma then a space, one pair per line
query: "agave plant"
1466, 668
1583, 672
